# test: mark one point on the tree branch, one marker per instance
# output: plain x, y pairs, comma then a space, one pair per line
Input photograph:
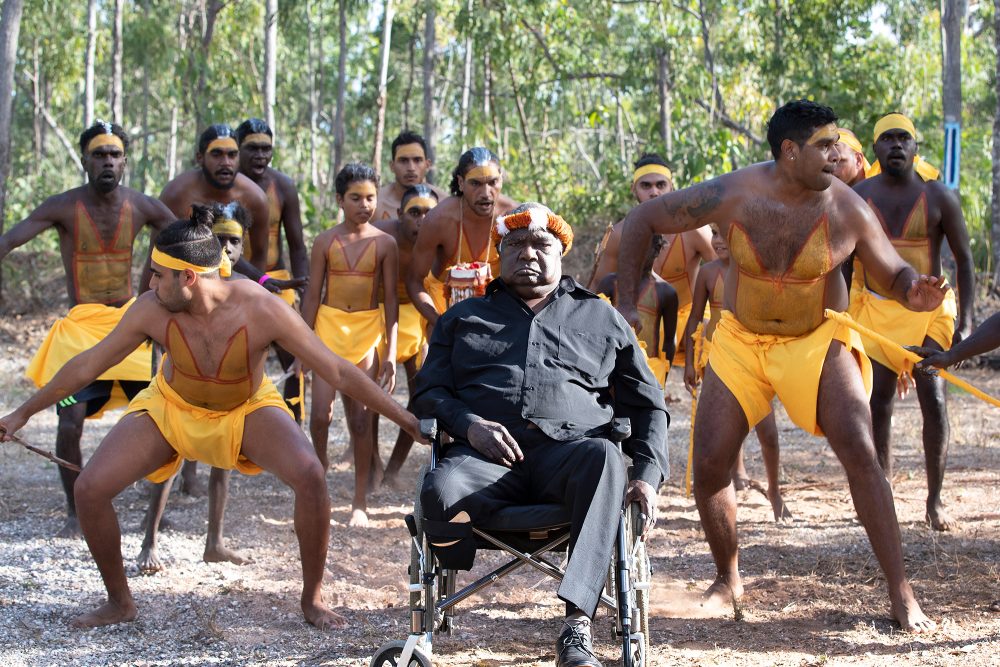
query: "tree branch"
51, 122
724, 118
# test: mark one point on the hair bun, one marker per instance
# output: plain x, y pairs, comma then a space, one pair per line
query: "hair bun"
202, 216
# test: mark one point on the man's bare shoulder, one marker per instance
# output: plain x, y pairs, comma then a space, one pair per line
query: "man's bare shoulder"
389, 225
181, 182
61, 207
939, 194
441, 218
150, 208
246, 186
441, 192
865, 188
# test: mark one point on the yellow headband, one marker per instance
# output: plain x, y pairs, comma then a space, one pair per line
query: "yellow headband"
105, 140
894, 121
850, 140
483, 172
224, 143
409, 150
423, 202
227, 227
224, 267
652, 169
258, 138
534, 218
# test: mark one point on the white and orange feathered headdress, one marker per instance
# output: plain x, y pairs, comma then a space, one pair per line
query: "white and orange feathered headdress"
534, 217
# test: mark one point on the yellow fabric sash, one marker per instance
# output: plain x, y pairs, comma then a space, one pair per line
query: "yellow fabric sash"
84, 327
755, 367
351, 335
198, 434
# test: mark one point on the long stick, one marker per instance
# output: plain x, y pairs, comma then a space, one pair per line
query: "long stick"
51, 457
848, 321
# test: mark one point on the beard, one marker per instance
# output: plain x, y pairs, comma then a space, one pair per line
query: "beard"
216, 184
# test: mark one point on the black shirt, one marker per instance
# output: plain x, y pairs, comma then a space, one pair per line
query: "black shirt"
568, 370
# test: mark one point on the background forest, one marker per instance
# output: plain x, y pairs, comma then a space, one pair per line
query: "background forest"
567, 92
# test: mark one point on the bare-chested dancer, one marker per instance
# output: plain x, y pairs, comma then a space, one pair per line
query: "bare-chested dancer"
97, 225
411, 339
217, 179
234, 418
790, 225
918, 216
458, 230
680, 257
349, 263
409, 166
231, 223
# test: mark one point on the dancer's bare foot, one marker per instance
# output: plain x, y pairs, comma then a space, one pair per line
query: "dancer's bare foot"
222, 554
778, 506
149, 561
359, 519
70, 529
724, 591
995, 605
741, 482
322, 617
911, 619
108, 613
938, 518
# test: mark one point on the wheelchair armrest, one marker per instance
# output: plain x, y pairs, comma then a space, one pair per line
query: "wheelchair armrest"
429, 428
621, 429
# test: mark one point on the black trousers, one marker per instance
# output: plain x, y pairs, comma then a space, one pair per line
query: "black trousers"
586, 476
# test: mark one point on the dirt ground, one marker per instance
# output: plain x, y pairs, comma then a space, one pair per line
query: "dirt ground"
815, 595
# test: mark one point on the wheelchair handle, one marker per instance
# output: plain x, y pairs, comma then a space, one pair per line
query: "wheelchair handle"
428, 428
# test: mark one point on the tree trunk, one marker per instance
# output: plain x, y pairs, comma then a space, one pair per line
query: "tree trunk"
10, 28
338, 123
88, 64
172, 150
117, 101
430, 121
36, 115
383, 79
666, 104
270, 60
311, 64
995, 208
466, 85
208, 29
409, 84
952, 15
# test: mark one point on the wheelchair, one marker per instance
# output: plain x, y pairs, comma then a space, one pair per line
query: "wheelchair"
527, 533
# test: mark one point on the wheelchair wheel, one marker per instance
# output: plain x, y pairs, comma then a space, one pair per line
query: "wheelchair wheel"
388, 656
639, 573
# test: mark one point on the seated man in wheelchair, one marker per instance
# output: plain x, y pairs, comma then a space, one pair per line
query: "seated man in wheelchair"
527, 380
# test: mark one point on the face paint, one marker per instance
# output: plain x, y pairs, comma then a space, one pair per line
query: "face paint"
105, 140
485, 172
222, 143
828, 132
258, 138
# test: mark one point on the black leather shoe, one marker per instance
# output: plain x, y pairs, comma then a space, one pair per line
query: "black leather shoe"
574, 646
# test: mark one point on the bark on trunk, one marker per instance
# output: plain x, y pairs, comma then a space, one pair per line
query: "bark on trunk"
10, 28
117, 100
88, 64
270, 60
995, 208
952, 15
383, 80
338, 123
466, 86
666, 104
430, 121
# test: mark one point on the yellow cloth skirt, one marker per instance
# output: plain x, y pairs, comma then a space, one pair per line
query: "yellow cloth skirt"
906, 327
755, 367
198, 434
683, 312
289, 296
84, 327
435, 288
351, 335
410, 333
660, 365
